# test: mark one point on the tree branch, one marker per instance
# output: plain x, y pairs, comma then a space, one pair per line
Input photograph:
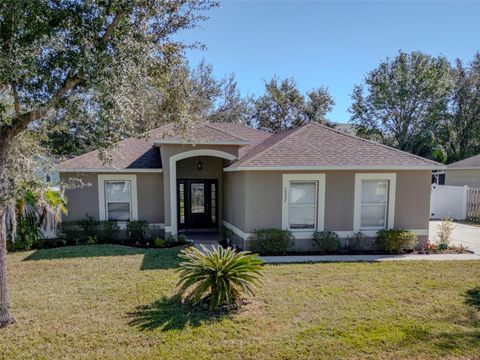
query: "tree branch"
109, 29
21, 121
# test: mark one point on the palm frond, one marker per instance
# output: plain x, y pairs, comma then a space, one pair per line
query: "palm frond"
220, 276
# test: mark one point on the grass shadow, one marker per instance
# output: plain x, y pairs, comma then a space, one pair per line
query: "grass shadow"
153, 259
169, 314
472, 297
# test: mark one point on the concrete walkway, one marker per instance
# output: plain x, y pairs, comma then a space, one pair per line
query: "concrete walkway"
463, 234
365, 258
209, 240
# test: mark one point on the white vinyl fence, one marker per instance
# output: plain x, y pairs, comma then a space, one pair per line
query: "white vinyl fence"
448, 201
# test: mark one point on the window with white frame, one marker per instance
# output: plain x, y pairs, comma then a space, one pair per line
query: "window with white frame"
118, 200
374, 204
302, 205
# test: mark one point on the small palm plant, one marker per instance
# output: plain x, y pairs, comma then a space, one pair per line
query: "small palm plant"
220, 276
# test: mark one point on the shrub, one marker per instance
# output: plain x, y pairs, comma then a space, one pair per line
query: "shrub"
137, 232
444, 233
178, 240
70, 231
326, 242
270, 241
89, 226
108, 232
396, 241
159, 242
28, 235
358, 241
220, 276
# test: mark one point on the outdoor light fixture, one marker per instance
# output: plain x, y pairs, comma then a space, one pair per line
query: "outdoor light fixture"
199, 165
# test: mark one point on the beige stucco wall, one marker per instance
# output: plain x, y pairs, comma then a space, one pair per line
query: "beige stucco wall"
234, 198
469, 177
83, 201
263, 199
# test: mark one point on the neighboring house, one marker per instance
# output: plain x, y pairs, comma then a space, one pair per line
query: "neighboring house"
306, 179
464, 172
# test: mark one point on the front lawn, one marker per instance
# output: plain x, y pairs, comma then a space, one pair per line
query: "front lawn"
115, 302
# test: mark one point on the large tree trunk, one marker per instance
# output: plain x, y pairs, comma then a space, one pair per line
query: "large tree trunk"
5, 318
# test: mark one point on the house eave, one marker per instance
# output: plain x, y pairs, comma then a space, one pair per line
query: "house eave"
464, 168
325, 168
108, 170
200, 142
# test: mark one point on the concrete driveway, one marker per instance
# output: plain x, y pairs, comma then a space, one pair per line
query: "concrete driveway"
463, 234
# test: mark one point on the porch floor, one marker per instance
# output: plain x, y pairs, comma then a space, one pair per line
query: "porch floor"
207, 239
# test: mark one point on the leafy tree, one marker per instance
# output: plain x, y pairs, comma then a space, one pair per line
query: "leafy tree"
460, 129
283, 107
402, 101
100, 51
176, 94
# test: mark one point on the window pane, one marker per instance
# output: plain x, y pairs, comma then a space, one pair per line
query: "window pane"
117, 191
303, 193
373, 216
302, 217
374, 191
118, 211
182, 202
198, 198
214, 202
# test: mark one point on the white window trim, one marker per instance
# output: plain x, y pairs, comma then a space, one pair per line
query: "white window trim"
101, 193
320, 179
392, 178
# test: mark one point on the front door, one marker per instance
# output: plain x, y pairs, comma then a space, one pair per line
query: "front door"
197, 204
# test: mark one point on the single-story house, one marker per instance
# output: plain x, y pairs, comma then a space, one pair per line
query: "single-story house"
216, 175
464, 172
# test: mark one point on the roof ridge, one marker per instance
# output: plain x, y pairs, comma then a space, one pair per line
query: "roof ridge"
293, 131
226, 132
375, 143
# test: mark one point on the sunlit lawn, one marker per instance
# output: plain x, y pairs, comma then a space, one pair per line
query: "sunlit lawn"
115, 302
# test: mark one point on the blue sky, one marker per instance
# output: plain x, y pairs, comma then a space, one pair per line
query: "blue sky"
328, 43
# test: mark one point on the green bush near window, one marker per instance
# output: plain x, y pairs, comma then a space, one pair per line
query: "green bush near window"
137, 232
107, 232
357, 242
271, 241
83, 231
396, 241
326, 242
70, 231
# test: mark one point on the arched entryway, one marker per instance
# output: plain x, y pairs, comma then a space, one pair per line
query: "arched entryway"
201, 187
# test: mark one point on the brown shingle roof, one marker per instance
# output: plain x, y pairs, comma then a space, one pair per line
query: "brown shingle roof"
471, 162
315, 145
312, 145
134, 153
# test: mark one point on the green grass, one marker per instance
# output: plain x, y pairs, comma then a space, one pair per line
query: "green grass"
116, 302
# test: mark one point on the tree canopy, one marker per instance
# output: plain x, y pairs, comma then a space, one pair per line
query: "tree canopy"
283, 106
69, 55
421, 104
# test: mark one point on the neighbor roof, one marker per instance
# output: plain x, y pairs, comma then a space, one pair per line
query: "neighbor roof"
311, 146
468, 163
317, 146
